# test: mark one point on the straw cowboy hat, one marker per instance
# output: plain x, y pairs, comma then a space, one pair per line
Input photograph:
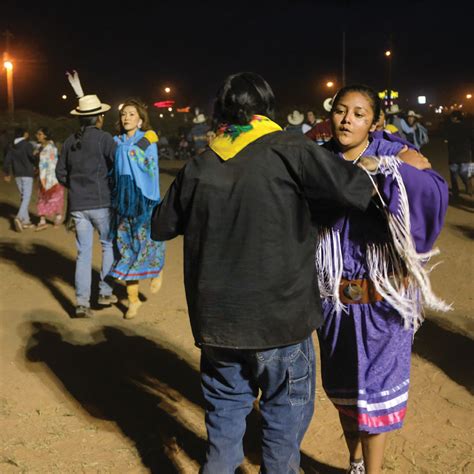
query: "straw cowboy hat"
327, 104
295, 118
411, 113
200, 118
90, 105
393, 109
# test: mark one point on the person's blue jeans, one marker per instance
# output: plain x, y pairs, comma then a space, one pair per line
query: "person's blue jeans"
462, 170
25, 187
85, 222
231, 379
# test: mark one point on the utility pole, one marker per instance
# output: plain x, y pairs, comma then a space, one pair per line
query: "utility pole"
343, 58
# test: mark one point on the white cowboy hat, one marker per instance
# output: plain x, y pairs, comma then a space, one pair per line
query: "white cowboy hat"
200, 118
393, 109
90, 105
411, 113
327, 104
295, 118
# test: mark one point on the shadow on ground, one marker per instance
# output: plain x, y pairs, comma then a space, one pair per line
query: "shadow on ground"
130, 380
461, 202
465, 230
453, 353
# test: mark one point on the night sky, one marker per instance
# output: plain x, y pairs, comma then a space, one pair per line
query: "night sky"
296, 46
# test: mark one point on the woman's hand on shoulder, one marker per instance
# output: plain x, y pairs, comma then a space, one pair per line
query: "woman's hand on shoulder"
414, 158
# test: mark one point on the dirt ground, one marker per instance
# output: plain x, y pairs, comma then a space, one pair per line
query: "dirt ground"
106, 395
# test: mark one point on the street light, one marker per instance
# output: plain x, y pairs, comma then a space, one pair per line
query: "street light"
8, 65
329, 84
167, 90
468, 96
388, 55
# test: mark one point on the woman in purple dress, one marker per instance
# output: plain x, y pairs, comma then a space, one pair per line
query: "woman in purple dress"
372, 279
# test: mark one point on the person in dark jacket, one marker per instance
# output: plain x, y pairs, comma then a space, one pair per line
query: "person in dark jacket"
197, 135
459, 134
243, 207
83, 168
20, 162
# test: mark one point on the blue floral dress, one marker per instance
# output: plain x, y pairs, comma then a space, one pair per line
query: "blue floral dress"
136, 192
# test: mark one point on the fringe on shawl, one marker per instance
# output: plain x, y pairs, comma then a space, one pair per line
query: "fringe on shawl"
329, 265
389, 264
400, 258
129, 202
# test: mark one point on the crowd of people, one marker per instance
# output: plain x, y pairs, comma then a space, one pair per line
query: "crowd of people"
325, 227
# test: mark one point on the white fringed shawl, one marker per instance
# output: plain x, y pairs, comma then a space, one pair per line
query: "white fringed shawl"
388, 263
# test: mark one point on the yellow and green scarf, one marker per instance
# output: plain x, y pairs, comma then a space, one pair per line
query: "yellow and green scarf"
231, 139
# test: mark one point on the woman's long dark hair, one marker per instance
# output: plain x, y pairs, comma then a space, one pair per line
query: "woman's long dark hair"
240, 97
46, 133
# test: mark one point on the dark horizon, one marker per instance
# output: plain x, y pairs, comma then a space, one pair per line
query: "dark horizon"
296, 46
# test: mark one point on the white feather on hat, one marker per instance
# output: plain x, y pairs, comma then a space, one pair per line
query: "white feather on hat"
75, 83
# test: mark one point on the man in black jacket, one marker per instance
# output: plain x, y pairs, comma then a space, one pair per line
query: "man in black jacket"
20, 162
84, 167
249, 245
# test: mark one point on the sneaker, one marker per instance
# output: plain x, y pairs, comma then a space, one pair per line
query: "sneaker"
27, 225
356, 467
18, 225
107, 300
83, 312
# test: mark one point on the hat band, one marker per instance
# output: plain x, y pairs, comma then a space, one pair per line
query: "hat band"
89, 110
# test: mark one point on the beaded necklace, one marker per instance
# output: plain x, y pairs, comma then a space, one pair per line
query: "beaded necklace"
360, 154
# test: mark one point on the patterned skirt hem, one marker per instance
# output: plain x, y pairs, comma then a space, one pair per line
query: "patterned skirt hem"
375, 424
131, 276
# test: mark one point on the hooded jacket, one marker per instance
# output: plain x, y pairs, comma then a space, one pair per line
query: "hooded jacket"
20, 160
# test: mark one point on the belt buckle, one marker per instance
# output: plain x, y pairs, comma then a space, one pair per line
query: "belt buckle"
353, 291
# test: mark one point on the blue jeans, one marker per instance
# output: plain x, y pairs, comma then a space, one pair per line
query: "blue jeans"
85, 223
25, 187
231, 379
463, 171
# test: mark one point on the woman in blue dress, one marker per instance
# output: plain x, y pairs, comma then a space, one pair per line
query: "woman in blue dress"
136, 191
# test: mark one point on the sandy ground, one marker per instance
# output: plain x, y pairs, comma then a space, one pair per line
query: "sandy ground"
106, 395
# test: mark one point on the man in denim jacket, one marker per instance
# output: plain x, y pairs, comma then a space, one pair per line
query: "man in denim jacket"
83, 168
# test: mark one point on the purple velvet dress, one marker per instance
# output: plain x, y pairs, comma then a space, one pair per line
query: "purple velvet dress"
366, 349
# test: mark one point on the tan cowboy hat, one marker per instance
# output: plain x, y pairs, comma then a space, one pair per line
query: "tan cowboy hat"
327, 104
200, 118
411, 113
295, 118
90, 105
393, 109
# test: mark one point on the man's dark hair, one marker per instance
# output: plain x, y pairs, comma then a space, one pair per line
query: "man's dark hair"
241, 96
19, 132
